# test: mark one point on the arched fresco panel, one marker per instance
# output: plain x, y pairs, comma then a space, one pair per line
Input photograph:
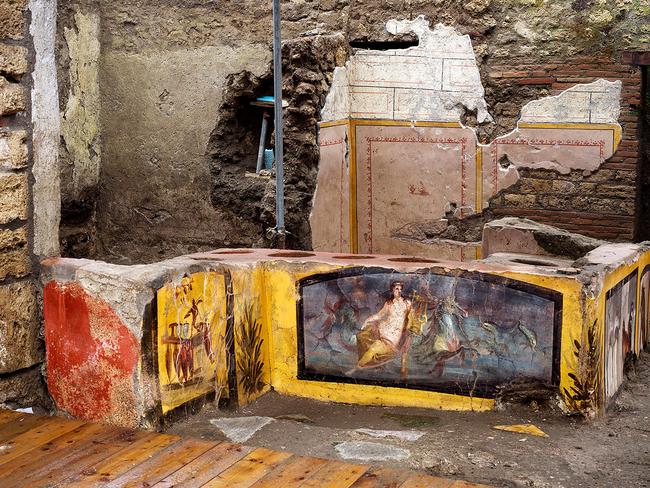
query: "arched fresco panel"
464, 334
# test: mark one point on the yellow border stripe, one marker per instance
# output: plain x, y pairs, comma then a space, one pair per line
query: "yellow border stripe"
333, 123
405, 123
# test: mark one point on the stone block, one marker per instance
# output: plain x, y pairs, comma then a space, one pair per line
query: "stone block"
522, 201
12, 19
13, 60
12, 98
13, 197
15, 263
515, 235
535, 186
561, 186
13, 149
19, 327
12, 238
24, 389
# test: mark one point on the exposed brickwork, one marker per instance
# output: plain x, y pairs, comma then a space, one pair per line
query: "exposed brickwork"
602, 204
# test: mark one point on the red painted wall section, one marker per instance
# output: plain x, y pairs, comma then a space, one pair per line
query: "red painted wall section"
92, 357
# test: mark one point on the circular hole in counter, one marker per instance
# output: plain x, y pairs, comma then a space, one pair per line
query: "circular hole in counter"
533, 262
205, 258
354, 256
291, 254
234, 251
412, 259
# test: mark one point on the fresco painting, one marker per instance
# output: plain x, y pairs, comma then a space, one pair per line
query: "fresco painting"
250, 360
620, 330
644, 310
462, 334
192, 339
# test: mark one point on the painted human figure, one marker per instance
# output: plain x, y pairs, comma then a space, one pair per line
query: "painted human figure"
384, 334
185, 357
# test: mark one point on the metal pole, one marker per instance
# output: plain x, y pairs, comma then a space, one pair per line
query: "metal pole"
279, 124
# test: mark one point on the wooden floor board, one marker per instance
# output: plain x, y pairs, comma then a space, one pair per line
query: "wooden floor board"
122, 460
36, 437
206, 467
291, 473
249, 469
80, 463
335, 474
54, 452
8, 415
48, 453
164, 463
20, 425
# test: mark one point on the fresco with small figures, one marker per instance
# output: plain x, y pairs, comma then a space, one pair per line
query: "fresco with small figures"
620, 330
462, 334
644, 310
192, 339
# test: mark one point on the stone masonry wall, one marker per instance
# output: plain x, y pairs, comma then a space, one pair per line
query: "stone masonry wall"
21, 347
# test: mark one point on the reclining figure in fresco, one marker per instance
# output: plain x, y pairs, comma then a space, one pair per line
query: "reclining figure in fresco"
390, 332
384, 335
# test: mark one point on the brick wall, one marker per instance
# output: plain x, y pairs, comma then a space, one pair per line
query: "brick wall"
21, 350
602, 204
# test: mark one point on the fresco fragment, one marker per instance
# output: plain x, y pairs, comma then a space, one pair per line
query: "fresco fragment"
644, 310
92, 356
462, 334
620, 330
192, 339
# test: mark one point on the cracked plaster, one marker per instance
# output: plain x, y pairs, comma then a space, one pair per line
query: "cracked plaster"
436, 82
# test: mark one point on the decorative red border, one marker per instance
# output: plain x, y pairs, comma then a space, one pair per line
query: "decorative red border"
333, 142
494, 151
369, 140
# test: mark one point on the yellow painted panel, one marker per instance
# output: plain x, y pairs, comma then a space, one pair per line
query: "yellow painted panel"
644, 262
611, 279
281, 302
251, 335
191, 336
573, 322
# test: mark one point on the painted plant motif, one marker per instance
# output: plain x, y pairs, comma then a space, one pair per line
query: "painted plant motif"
462, 334
620, 329
250, 364
192, 352
583, 395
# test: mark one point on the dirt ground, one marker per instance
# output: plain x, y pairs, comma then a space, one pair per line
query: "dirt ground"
613, 451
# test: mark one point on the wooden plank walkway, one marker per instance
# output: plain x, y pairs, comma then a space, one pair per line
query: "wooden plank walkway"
51, 451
